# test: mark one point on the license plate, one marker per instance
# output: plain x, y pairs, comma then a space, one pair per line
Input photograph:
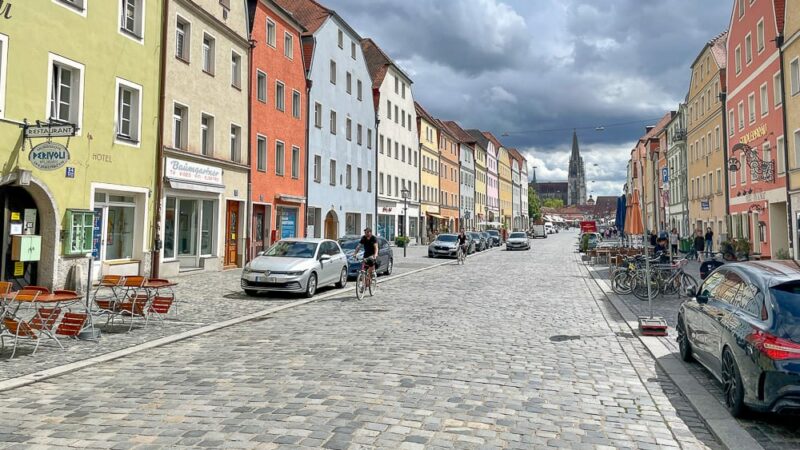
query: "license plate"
258, 279
272, 280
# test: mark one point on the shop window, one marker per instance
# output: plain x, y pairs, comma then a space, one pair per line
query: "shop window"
79, 232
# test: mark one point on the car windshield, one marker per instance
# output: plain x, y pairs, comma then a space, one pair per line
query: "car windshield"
517, 236
292, 249
787, 319
348, 245
494, 232
447, 238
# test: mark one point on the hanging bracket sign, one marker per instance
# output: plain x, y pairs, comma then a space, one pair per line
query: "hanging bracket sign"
45, 130
48, 156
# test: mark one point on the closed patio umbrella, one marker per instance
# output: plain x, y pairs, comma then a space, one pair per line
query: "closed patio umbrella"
633, 223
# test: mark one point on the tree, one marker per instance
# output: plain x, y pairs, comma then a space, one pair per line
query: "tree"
553, 203
534, 205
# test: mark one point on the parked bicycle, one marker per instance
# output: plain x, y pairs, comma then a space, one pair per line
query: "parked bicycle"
667, 279
367, 279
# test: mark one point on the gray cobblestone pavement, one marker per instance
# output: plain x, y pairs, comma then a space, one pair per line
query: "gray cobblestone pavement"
204, 298
773, 432
510, 350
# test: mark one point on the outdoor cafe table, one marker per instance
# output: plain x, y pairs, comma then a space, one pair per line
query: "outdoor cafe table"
58, 299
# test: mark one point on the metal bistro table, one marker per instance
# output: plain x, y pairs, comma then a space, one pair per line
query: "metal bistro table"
52, 316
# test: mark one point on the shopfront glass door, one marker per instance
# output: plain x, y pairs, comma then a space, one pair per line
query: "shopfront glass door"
113, 232
189, 227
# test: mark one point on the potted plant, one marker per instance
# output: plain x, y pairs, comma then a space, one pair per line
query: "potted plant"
728, 250
401, 241
585, 243
742, 248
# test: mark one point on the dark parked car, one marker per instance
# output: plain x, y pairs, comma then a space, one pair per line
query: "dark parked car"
385, 255
495, 237
744, 327
480, 242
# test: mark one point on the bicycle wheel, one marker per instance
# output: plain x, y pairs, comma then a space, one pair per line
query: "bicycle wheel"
373, 284
360, 285
689, 285
672, 286
639, 286
621, 283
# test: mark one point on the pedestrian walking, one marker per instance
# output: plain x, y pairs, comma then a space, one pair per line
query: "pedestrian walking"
709, 238
699, 244
673, 242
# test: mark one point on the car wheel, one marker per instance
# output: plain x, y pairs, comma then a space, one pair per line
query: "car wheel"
342, 279
732, 387
683, 341
250, 292
389, 267
311, 286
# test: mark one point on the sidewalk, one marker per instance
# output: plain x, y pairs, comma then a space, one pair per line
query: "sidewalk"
768, 431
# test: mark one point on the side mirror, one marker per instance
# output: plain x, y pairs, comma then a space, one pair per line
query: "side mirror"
701, 299
261, 253
325, 257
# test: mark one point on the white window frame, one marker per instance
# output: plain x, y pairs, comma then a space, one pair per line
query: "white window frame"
212, 141
280, 166
138, 34
340, 39
751, 108
238, 158
794, 81
317, 168
748, 49
184, 125
780, 154
295, 164
318, 115
288, 51
212, 53
261, 138
236, 70
79, 10
297, 106
737, 59
271, 39
280, 96
777, 89
763, 93
259, 73
359, 90
55, 59
136, 114
333, 121
332, 69
731, 123
187, 38
3, 70
760, 41
740, 114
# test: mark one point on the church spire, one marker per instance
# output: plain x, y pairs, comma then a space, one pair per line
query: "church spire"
576, 153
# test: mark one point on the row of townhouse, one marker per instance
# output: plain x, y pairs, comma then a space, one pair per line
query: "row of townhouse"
728, 158
188, 135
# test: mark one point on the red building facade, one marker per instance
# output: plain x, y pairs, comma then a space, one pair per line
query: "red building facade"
754, 115
278, 99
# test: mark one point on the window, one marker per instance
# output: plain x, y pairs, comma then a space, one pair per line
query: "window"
183, 39
348, 176
279, 96
353, 50
388, 185
396, 150
3, 55
719, 181
764, 100
751, 107
65, 90
128, 111
358, 179
388, 110
358, 89
359, 129
208, 54
317, 168
261, 86
380, 182
794, 76
131, 18
396, 85
781, 155
295, 104
738, 59
333, 72
396, 113
179, 131
333, 122
717, 138
236, 70
80, 232
207, 135
382, 146
748, 49
288, 45
270, 33
403, 91
317, 115
295, 162
403, 153
403, 119
741, 115
261, 153
332, 173
777, 87
280, 163
760, 35
349, 129
340, 38
236, 141
369, 137
348, 83
740, 7
731, 123
797, 148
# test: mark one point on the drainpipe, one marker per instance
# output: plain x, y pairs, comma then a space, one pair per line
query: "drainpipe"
779, 44
309, 83
249, 205
723, 99
155, 255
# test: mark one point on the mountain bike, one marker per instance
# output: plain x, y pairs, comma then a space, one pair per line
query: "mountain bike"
367, 280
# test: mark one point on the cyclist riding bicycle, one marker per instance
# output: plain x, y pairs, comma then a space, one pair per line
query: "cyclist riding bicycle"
370, 243
462, 242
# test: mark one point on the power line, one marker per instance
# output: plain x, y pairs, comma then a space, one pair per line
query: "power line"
595, 127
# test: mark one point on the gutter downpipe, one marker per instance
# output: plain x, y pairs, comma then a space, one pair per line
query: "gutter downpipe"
249, 208
779, 40
155, 264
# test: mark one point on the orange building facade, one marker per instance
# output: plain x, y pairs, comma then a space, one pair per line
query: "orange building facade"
278, 99
449, 179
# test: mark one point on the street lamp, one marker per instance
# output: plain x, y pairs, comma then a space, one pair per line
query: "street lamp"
405, 193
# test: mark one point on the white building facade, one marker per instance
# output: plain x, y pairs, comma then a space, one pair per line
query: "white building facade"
467, 194
516, 202
677, 180
523, 193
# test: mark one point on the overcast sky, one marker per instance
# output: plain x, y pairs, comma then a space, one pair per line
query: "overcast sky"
521, 66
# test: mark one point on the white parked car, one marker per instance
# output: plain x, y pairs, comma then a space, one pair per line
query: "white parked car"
518, 240
296, 265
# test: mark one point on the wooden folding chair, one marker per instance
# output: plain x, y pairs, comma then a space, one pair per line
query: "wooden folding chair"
41, 289
17, 328
134, 301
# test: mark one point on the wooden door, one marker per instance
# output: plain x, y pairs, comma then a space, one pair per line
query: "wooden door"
231, 234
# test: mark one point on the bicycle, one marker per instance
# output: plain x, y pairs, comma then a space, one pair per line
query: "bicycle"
461, 255
667, 279
367, 280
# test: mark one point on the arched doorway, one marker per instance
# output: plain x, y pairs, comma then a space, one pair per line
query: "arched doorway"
331, 225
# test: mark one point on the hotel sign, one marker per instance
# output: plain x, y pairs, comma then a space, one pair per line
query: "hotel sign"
754, 134
193, 172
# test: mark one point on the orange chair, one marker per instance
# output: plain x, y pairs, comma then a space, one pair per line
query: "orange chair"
16, 328
41, 289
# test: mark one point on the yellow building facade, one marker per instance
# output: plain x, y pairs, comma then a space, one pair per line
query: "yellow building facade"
429, 173
791, 98
506, 193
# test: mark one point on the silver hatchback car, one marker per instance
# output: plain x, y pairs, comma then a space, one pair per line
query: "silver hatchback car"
296, 265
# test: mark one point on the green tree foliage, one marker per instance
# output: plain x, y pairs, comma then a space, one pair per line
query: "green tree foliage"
534, 205
553, 203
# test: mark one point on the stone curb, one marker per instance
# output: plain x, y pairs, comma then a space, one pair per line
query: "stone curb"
724, 427
24, 380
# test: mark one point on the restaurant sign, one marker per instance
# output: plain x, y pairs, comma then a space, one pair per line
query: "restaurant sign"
754, 134
193, 172
48, 156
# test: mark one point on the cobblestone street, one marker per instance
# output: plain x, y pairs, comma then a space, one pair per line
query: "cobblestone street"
510, 350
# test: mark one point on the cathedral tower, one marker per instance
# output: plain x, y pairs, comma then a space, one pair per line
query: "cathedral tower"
576, 189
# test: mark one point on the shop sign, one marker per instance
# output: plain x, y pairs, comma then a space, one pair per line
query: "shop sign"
193, 172
48, 156
665, 175
386, 210
48, 131
704, 205
754, 134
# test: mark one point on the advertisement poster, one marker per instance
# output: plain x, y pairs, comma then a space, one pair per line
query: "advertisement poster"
19, 268
288, 223
96, 232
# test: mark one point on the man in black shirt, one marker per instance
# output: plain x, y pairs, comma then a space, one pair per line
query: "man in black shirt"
462, 241
370, 243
